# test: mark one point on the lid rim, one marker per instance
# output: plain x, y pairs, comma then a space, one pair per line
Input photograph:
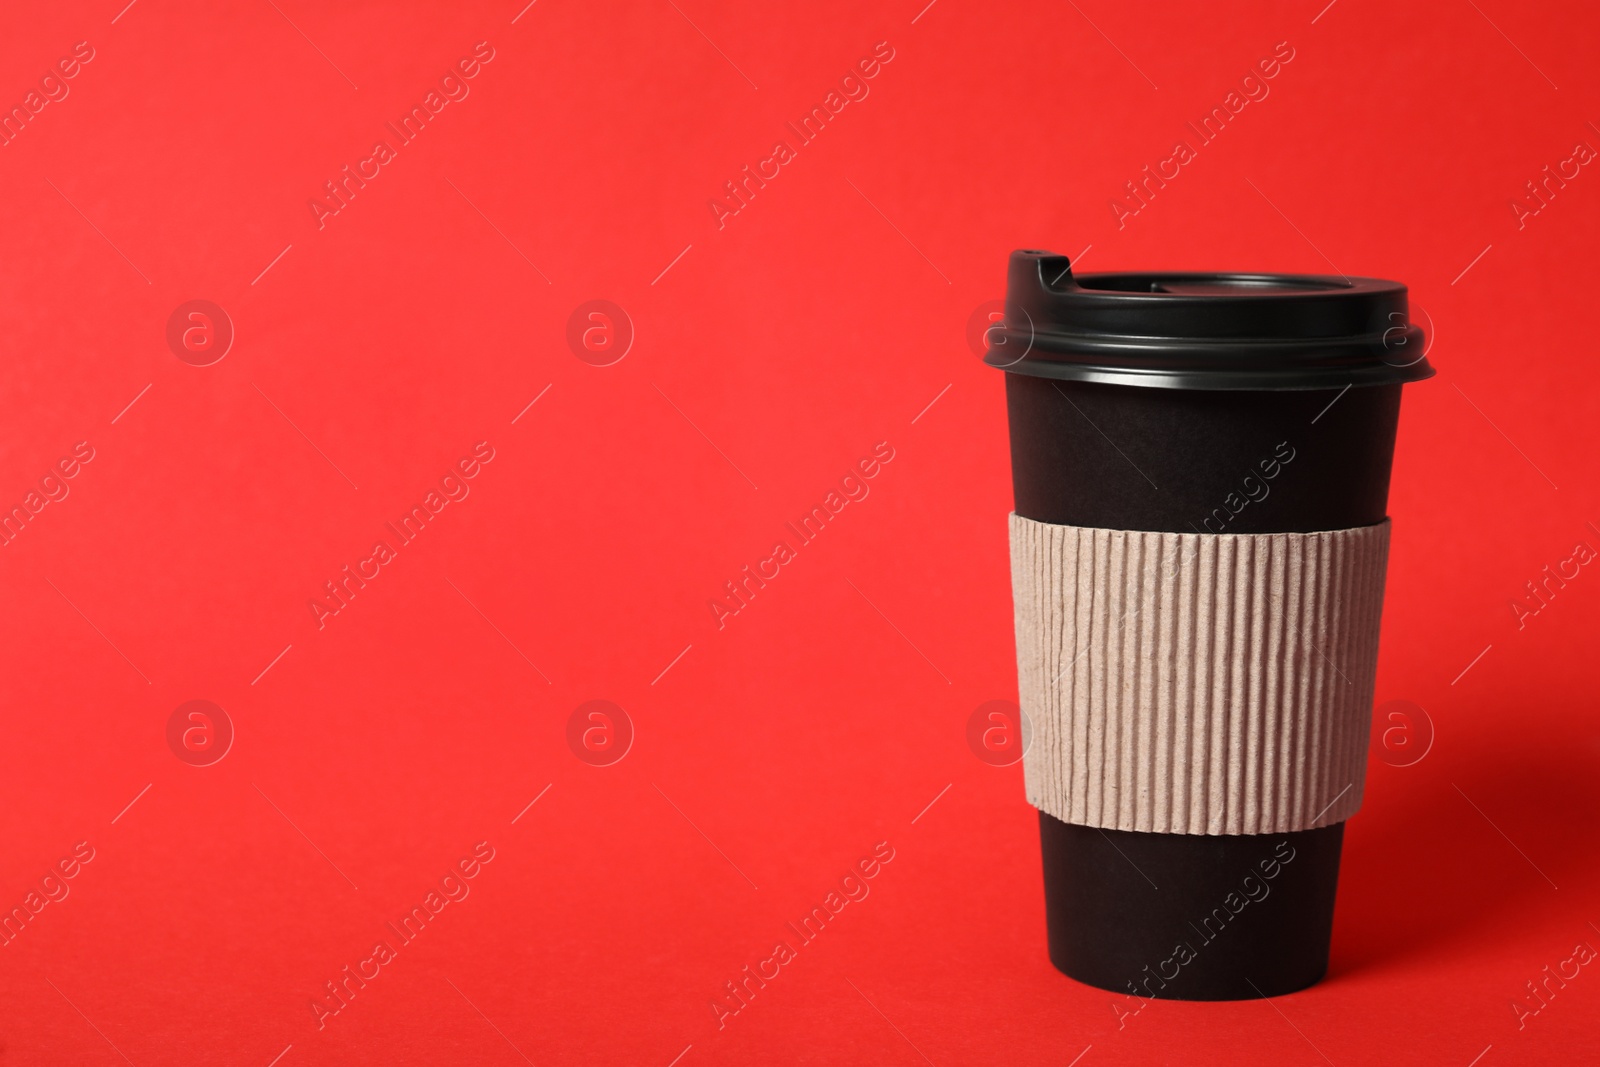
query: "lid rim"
1222, 379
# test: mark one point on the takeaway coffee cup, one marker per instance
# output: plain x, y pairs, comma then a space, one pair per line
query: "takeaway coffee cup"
1201, 473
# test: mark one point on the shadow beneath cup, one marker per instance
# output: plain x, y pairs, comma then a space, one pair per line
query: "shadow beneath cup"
1446, 853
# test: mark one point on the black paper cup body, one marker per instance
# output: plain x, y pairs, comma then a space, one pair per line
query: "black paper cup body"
1129, 411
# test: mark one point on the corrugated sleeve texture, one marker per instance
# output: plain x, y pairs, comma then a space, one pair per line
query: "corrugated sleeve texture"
1197, 683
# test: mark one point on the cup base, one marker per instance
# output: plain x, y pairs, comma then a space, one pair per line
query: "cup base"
1190, 916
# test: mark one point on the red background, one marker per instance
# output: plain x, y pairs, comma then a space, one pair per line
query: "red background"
822, 319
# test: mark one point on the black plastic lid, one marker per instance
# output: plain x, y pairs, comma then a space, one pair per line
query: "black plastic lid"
1204, 331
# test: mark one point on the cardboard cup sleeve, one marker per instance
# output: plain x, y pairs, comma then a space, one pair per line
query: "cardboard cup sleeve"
1196, 683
